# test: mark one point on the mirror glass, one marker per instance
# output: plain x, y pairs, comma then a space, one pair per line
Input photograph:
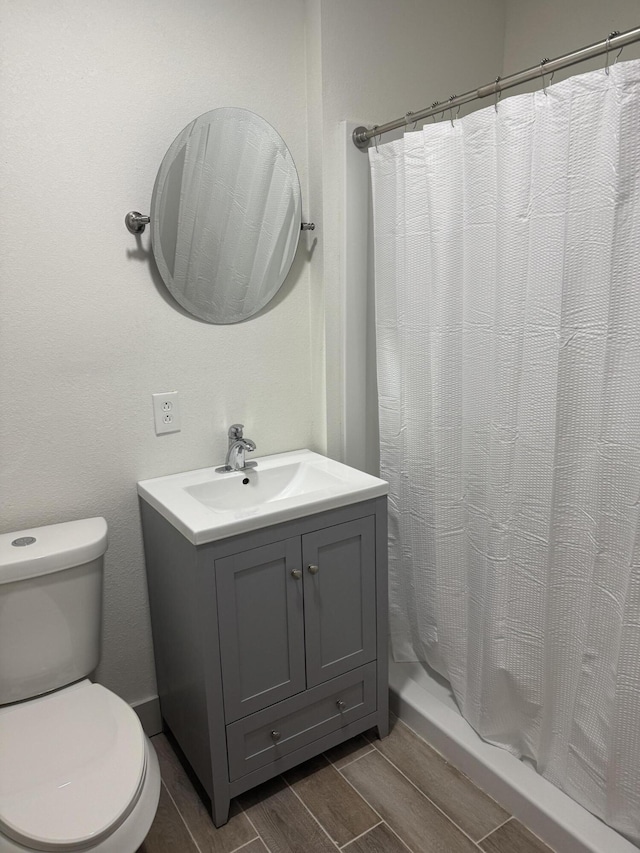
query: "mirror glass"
225, 215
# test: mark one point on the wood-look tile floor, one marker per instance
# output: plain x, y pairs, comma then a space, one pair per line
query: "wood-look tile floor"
365, 796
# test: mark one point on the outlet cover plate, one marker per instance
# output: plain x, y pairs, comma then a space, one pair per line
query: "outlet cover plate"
166, 412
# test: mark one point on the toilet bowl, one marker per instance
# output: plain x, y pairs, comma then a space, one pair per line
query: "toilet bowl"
77, 771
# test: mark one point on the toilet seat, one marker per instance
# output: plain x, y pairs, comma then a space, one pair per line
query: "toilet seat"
73, 766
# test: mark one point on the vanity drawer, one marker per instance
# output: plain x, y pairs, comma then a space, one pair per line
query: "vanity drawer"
270, 734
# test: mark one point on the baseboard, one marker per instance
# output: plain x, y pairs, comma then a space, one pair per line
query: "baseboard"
148, 710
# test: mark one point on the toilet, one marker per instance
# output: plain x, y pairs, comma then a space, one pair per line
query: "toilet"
77, 771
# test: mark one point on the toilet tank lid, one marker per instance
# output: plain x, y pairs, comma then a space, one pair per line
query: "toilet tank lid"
42, 550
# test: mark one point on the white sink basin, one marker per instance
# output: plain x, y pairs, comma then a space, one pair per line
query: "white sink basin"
205, 505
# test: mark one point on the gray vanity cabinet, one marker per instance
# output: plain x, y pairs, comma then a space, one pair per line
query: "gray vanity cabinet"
270, 647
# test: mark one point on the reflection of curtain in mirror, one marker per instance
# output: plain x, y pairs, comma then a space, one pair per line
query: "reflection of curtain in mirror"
507, 254
198, 238
280, 225
169, 211
241, 183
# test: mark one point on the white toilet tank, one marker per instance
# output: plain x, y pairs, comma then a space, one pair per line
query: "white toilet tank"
50, 606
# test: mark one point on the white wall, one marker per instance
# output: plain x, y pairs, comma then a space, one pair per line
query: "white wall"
536, 29
91, 96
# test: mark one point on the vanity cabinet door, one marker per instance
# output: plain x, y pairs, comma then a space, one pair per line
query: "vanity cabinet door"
339, 569
260, 620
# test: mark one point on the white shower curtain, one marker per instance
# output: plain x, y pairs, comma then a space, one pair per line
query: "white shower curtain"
507, 258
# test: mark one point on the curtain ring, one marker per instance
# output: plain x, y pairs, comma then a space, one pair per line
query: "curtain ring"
609, 37
433, 106
544, 82
498, 94
407, 119
453, 97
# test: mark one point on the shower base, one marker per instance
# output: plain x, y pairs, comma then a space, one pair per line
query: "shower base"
425, 703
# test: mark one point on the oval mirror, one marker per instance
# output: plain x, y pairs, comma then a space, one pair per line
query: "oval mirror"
225, 215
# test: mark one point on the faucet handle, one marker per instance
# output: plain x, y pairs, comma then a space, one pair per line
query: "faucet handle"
235, 431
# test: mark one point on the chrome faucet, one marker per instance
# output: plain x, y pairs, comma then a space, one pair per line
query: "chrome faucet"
238, 446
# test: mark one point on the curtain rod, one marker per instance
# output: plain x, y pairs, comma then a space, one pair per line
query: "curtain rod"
615, 41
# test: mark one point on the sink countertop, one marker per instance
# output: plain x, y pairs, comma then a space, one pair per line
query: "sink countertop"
205, 505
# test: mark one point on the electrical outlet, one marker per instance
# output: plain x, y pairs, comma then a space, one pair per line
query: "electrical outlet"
166, 412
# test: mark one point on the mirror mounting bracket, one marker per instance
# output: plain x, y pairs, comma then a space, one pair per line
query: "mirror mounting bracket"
136, 222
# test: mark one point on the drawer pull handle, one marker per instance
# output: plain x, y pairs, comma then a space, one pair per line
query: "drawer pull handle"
313, 570
341, 705
296, 573
275, 736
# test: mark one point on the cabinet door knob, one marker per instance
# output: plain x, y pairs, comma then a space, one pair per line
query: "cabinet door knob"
296, 573
275, 736
341, 705
313, 570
